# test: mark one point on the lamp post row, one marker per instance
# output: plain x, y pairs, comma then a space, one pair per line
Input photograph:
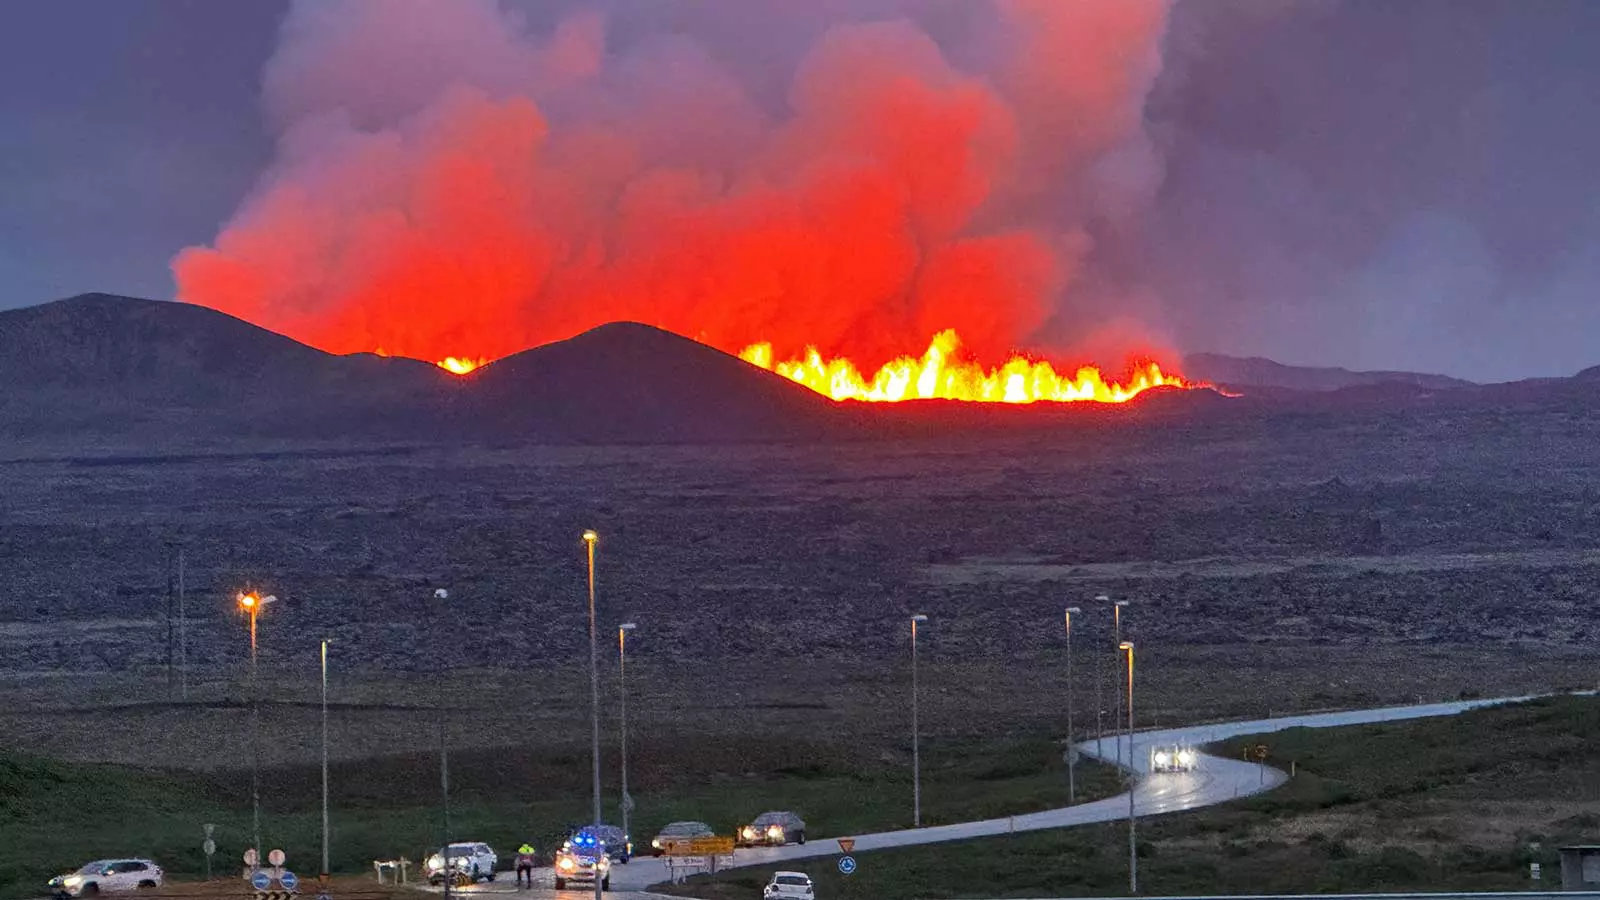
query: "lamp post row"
252, 603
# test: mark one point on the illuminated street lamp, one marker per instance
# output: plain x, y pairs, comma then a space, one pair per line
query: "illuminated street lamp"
1116, 625
1072, 746
1133, 846
589, 540
251, 604
916, 749
622, 667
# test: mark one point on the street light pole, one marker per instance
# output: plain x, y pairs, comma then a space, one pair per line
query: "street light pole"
1099, 696
325, 759
1133, 844
589, 539
251, 603
1072, 746
441, 595
1116, 613
622, 667
916, 740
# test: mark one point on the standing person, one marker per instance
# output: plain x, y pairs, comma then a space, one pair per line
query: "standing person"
525, 864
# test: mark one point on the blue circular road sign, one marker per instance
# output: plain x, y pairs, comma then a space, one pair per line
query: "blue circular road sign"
847, 865
260, 881
288, 881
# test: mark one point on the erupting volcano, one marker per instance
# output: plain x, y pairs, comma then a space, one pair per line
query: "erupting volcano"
928, 171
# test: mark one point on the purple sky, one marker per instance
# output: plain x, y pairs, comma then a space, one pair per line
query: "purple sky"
1371, 183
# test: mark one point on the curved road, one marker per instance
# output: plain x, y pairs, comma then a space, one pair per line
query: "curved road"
1214, 780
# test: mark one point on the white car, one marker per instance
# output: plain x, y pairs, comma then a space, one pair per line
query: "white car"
107, 875
470, 862
789, 886
1173, 759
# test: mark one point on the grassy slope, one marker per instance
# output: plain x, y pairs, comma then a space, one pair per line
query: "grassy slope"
68, 813
1445, 804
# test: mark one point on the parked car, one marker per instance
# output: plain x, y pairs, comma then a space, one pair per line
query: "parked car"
107, 876
772, 829
619, 847
469, 862
582, 859
789, 886
679, 831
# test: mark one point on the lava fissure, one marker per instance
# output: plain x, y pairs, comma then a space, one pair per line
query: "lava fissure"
941, 374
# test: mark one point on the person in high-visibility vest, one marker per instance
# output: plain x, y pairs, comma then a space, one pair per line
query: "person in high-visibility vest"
525, 864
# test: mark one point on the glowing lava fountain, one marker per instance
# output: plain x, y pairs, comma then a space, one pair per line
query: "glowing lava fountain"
941, 375
459, 365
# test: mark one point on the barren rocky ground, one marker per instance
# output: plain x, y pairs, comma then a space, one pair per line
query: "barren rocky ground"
1283, 562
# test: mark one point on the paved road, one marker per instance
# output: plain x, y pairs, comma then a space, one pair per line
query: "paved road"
1215, 780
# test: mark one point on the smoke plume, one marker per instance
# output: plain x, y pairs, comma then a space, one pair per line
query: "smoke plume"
472, 178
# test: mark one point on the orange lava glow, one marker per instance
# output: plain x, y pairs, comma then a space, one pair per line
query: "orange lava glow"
460, 365
942, 375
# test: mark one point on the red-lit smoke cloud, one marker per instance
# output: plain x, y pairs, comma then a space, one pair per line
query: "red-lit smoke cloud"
450, 181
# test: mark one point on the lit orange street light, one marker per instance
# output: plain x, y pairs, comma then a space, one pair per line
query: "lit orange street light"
589, 540
250, 604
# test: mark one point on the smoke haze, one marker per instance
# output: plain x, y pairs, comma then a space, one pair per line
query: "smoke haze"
472, 178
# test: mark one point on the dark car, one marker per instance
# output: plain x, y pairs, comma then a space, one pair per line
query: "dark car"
677, 832
617, 843
772, 829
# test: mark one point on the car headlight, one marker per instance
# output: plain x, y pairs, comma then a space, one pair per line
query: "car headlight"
1163, 758
776, 831
749, 832
72, 881
1186, 758
656, 843
436, 862
565, 864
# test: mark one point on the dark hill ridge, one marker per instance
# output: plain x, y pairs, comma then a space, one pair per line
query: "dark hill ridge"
625, 382
1257, 372
104, 372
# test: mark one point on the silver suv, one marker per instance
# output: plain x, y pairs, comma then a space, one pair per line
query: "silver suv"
107, 875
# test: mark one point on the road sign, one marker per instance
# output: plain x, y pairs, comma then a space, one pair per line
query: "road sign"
846, 844
847, 865
1261, 753
261, 881
289, 881
275, 857
250, 857
209, 846
711, 846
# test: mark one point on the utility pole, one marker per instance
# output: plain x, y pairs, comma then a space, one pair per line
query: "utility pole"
183, 633
441, 595
171, 680
1072, 736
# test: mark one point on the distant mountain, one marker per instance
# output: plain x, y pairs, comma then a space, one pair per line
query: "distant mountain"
99, 371
629, 383
1256, 372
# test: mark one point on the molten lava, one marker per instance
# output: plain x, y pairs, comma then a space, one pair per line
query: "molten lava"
942, 375
460, 365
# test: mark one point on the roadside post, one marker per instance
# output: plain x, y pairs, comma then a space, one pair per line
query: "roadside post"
847, 863
208, 847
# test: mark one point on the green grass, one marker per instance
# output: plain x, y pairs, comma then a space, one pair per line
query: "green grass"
67, 814
1404, 806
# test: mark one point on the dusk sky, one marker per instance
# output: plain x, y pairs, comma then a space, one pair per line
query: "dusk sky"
1373, 184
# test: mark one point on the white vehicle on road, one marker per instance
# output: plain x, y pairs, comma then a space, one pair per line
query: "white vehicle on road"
1173, 759
470, 862
789, 886
108, 876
